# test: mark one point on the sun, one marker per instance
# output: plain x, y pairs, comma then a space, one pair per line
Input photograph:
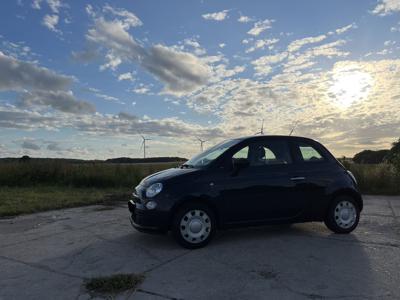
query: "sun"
350, 85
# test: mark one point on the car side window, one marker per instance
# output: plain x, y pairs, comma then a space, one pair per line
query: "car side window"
242, 153
309, 153
270, 153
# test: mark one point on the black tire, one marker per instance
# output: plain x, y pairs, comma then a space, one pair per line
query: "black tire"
189, 241
335, 222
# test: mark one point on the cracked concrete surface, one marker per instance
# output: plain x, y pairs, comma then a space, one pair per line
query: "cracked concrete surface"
48, 256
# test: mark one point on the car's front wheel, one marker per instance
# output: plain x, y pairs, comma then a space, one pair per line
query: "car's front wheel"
194, 225
343, 215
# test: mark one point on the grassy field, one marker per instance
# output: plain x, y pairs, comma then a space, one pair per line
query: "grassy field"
23, 200
55, 173
376, 179
27, 187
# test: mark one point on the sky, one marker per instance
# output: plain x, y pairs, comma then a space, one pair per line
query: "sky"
86, 79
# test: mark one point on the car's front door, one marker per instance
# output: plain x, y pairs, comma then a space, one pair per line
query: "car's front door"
263, 190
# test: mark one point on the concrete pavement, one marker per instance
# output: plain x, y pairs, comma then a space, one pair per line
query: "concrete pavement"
49, 255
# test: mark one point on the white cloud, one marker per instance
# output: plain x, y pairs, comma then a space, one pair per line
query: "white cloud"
260, 26
395, 28
53, 146
297, 60
389, 43
113, 61
345, 28
261, 44
221, 45
195, 46
55, 5
36, 4
19, 75
39, 86
84, 56
297, 44
90, 11
244, 19
217, 16
122, 124
181, 72
109, 98
263, 65
126, 76
60, 100
128, 18
384, 52
51, 21
141, 90
30, 144
386, 7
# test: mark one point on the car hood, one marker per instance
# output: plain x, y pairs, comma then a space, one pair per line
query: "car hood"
166, 175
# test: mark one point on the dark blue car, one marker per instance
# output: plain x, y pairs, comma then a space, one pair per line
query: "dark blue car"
248, 181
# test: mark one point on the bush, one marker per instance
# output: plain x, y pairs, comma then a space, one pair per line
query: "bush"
376, 179
370, 156
396, 164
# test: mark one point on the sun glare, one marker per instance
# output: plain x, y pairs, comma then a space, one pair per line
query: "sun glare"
350, 86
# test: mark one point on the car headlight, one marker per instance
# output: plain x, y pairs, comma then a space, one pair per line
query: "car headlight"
153, 190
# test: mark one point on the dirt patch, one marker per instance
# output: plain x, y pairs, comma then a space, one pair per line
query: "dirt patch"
114, 284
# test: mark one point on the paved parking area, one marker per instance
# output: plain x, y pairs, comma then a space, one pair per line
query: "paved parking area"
48, 256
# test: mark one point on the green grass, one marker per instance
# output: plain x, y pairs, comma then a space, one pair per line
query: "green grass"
114, 284
24, 200
376, 179
34, 186
101, 175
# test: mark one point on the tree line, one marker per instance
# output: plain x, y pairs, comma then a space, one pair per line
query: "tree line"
379, 156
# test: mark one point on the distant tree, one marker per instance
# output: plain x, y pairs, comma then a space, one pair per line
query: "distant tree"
25, 158
396, 163
394, 152
371, 157
127, 160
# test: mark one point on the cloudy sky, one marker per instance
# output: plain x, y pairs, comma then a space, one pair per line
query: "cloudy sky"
85, 79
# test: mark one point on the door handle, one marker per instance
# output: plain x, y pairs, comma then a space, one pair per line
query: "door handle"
297, 178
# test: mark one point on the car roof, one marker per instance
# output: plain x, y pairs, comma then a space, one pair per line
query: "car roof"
261, 137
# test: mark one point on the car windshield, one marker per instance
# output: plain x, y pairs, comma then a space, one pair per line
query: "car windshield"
204, 158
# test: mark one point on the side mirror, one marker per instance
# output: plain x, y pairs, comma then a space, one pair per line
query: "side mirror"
239, 164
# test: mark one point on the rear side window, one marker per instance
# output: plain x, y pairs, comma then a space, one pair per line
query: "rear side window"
242, 153
272, 152
309, 153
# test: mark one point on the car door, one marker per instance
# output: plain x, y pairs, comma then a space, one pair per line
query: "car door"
312, 173
262, 191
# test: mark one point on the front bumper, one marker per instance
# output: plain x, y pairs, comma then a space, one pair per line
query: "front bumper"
149, 221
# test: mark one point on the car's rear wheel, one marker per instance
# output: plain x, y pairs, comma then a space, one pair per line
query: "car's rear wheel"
194, 225
343, 215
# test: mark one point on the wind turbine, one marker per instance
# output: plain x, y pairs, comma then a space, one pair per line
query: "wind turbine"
144, 145
262, 128
201, 143
293, 128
